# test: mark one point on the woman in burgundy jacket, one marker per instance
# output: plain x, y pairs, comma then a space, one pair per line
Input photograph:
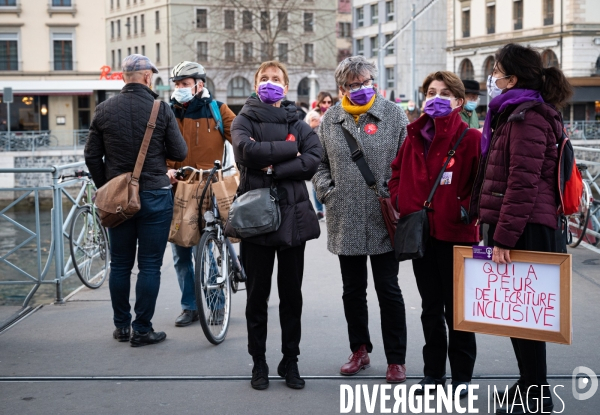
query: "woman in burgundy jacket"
414, 172
518, 196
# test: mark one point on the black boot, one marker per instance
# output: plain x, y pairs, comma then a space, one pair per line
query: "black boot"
260, 373
122, 334
288, 369
144, 339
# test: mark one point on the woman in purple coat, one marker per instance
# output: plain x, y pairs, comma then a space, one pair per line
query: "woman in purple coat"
518, 194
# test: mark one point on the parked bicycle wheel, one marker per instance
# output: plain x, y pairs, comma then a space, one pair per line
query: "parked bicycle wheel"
89, 247
213, 290
578, 222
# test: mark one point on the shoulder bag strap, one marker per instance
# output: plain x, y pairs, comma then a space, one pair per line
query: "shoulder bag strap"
139, 163
359, 158
451, 153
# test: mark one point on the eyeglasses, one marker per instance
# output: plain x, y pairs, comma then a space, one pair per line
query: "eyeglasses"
358, 85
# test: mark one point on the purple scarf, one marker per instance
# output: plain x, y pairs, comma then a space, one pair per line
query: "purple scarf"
498, 104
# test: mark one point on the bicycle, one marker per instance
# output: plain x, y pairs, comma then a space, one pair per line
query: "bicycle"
218, 271
586, 218
88, 240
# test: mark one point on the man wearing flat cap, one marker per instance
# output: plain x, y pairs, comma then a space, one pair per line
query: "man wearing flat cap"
112, 148
468, 113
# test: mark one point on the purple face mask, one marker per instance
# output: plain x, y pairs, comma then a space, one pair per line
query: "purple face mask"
269, 92
437, 107
362, 96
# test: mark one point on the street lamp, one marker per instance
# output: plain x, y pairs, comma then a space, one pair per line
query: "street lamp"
312, 94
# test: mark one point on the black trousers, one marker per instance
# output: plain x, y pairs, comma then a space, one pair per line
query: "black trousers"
435, 281
531, 354
391, 303
258, 262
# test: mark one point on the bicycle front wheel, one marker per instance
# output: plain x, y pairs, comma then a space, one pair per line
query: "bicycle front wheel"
89, 248
213, 289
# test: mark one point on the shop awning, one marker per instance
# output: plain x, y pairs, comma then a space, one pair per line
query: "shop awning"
54, 87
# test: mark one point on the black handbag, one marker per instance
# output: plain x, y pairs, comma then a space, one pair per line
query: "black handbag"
412, 231
254, 213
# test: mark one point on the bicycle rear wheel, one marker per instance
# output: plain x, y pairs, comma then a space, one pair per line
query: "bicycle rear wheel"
89, 247
213, 289
578, 222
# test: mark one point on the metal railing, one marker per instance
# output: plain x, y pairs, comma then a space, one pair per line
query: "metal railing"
583, 130
42, 140
63, 268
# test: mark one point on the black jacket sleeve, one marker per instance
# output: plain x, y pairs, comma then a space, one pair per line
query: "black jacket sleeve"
175, 145
94, 150
304, 166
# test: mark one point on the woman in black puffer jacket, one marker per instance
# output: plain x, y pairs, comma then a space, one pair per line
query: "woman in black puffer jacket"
272, 146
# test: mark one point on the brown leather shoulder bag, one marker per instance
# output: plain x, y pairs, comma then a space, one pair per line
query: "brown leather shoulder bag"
119, 199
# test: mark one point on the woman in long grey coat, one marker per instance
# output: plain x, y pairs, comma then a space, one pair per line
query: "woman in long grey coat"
355, 225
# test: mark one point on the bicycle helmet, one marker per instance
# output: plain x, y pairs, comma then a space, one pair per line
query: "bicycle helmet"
187, 69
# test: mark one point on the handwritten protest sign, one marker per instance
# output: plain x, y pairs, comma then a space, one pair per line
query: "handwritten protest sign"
529, 298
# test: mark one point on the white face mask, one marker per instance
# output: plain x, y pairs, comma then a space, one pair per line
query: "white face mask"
492, 88
183, 95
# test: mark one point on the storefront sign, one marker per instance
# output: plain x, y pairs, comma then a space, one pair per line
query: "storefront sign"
529, 298
105, 73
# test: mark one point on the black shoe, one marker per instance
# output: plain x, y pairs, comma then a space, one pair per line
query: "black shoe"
122, 334
288, 369
530, 403
216, 317
463, 392
260, 374
186, 318
428, 380
320, 216
144, 339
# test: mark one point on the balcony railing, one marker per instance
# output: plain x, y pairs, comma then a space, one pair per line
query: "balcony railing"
42, 140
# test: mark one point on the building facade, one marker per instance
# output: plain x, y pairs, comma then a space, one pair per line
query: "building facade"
568, 38
230, 38
394, 18
343, 41
52, 58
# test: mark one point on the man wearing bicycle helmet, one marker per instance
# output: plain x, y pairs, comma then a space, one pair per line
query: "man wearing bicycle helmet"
198, 119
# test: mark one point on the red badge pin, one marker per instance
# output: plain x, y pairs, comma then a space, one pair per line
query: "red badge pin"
370, 129
449, 164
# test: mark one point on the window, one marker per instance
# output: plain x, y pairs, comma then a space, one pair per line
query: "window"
490, 18
157, 20
135, 25
63, 51
360, 46
8, 2
112, 59
112, 6
201, 18
59, 3
238, 87
118, 4
135, 50
264, 20
83, 111
119, 29
389, 77
466, 70
248, 52
360, 16
343, 54
128, 51
344, 30
158, 52
374, 14
283, 52
308, 22
9, 56
128, 25
282, 21
142, 23
202, 51
229, 19
389, 11
390, 49
309, 53
548, 12
264, 52
374, 46
119, 60
230, 52
518, 15
549, 59
247, 20
466, 22
488, 67
144, 50
112, 30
